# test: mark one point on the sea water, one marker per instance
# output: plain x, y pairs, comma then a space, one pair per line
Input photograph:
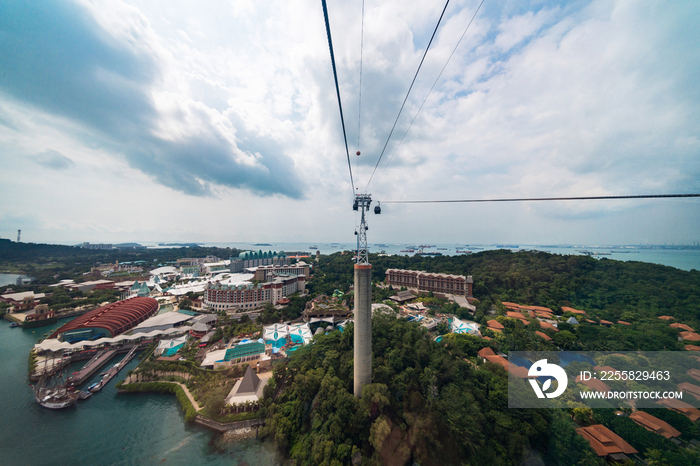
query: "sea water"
107, 428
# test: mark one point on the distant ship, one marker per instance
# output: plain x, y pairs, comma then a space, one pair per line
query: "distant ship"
508, 246
429, 253
463, 252
442, 249
408, 250
313, 247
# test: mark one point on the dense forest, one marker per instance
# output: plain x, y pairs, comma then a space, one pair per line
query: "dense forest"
636, 292
435, 403
427, 404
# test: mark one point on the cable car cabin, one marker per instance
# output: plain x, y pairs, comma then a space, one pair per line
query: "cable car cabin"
355, 206
377, 209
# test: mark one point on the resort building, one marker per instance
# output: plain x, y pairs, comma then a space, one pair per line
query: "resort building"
108, 321
221, 297
162, 322
266, 273
682, 407
326, 309
248, 389
435, 282
24, 300
256, 259
593, 384
606, 443
459, 326
168, 348
654, 424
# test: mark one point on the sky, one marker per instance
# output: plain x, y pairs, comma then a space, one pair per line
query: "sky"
214, 121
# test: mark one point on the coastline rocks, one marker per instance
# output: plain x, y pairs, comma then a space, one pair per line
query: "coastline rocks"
239, 434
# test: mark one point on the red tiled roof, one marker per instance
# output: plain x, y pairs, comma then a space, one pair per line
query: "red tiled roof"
690, 336
572, 310
494, 324
511, 305
515, 315
654, 424
518, 371
692, 348
605, 322
694, 373
497, 360
683, 326
591, 321
666, 318
604, 441
543, 335
548, 326
593, 384
690, 388
623, 322
684, 408
484, 352
538, 308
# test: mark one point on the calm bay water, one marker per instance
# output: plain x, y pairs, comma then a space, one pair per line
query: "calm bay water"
9, 278
684, 259
106, 429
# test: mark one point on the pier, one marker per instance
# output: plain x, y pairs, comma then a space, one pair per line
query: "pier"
92, 366
115, 369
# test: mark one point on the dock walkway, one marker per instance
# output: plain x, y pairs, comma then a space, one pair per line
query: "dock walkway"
115, 370
91, 367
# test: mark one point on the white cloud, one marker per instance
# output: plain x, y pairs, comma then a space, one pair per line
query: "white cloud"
536, 102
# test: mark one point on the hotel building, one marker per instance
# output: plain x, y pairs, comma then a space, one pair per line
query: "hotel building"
220, 297
435, 282
256, 259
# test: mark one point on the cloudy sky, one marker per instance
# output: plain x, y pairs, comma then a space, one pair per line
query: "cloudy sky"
218, 121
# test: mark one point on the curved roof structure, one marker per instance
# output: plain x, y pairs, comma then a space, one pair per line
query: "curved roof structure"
115, 318
253, 255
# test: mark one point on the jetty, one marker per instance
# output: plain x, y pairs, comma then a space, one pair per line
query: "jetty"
92, 366
115, 369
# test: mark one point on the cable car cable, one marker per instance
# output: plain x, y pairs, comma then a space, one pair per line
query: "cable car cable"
337, 90
362, 44
408, 93
431, 90
529, 199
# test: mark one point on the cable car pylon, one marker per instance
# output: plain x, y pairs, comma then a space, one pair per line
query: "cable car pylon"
363, 302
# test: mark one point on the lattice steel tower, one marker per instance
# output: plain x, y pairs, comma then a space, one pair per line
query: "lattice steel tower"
363, 302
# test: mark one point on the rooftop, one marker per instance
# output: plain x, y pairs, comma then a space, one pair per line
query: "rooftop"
654, 424
168, 318
604, 441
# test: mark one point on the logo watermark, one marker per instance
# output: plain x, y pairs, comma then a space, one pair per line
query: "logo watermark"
631, 379
542, 368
